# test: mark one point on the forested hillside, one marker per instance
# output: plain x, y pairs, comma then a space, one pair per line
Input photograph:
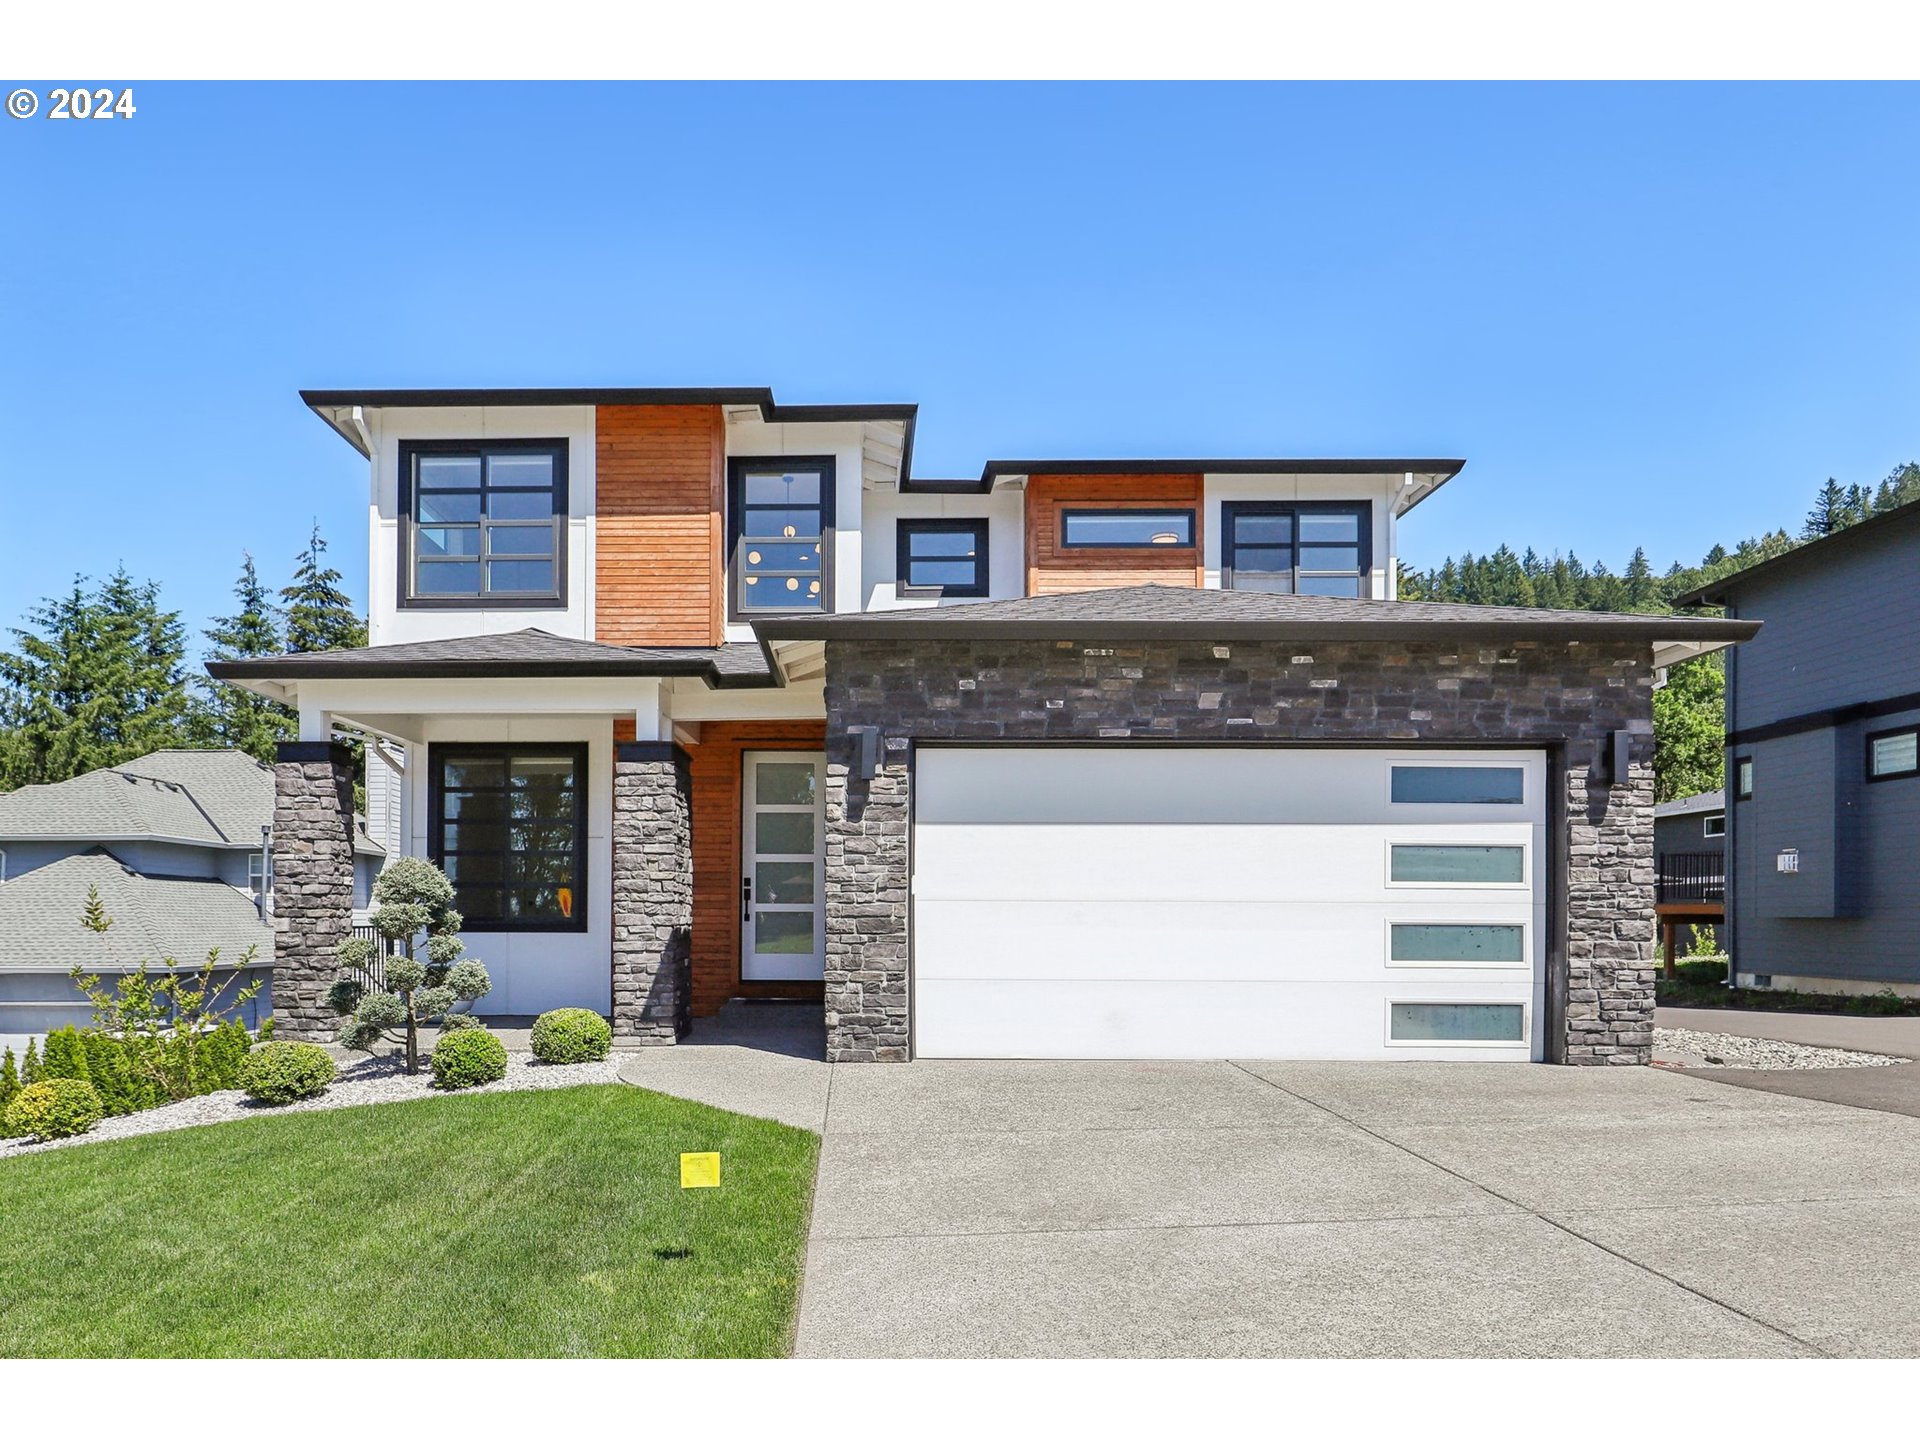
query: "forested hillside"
1689, 710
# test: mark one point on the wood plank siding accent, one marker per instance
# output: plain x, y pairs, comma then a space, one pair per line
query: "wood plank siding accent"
1052, 569
660, 476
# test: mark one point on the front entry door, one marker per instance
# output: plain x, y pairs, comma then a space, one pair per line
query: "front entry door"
783, 927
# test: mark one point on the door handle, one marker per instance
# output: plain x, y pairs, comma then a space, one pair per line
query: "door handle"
746, 897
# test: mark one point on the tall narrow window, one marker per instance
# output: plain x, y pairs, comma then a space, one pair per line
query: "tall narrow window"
509, 828
1301, 549
484, 523
1743, 778
782, 522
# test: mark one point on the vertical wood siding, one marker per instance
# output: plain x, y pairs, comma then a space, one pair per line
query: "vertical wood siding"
659, 524
1052, 569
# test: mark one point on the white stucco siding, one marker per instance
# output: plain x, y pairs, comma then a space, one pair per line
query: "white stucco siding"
1006, 543
390, 624
1377, 490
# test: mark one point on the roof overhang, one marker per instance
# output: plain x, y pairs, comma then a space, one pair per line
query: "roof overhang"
1419, 477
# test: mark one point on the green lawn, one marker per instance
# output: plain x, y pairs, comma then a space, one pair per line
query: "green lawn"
544, 1223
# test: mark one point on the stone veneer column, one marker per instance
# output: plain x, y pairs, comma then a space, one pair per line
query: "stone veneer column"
652, 889
312, 883
866, 890
1610, 917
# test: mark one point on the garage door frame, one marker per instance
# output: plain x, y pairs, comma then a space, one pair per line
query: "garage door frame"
1554, 820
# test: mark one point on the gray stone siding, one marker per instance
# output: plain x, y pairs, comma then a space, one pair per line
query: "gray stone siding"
312, 883
1600, 983
652, 890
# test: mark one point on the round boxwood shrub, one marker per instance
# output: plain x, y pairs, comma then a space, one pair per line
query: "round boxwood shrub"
569, 1037
283, 1071
463, 1058
55, 1109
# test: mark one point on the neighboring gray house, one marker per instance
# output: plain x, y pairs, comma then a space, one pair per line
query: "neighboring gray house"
1823, 762
173, 842
1690, 867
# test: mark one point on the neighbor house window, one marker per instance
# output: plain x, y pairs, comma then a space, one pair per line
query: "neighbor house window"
1305, 549
1893, 754
1457, 865
3, 867
484, 523
1128, 529
941, 557
782, 517
256, 873
1459, 784
1743, 778
1715, 825
509, 828
1422, 1023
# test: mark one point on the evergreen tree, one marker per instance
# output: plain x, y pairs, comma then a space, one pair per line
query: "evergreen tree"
1640, 588
235, 717
1829, 511
319, 614
9, 1087
98, 679
30, 1067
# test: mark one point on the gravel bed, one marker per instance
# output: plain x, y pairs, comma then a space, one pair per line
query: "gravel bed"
1699, 1049
372, 1080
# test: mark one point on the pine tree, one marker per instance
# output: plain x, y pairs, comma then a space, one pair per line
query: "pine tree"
30, 1067
1828, 513
319, 614
234, 717
9, 1087
1641, 591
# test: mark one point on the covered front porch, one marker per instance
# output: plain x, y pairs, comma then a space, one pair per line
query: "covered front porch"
646, 845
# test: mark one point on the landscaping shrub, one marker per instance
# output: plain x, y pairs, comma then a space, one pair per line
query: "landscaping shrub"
1701, 972
569, 1037
283, 1071
54, 1109
464, 1058
9, 1087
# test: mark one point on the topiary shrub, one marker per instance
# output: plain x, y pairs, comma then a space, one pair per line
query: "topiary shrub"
283, 1071
570, 1037
464, 1058
54, 1109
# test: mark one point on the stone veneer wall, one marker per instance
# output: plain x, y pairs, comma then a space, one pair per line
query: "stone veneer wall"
1527, 693
652, 889
312, 883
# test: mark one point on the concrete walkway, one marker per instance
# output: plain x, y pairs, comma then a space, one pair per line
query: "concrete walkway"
1154, 1209
1892, 1088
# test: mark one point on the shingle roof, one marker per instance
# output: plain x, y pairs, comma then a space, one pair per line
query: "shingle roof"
1162, 611
518, 652
216, 798
153, 917
1702, 804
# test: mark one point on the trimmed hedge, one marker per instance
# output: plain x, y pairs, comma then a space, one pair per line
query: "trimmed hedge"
54, 1109
464, 1058
571, 1037
283, 1071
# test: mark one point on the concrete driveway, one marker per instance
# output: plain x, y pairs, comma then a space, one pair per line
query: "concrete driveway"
1150, 1209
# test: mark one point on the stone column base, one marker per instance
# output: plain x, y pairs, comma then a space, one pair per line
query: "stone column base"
652, 891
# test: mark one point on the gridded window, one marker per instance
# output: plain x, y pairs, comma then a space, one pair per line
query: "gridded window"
942, 557
485, 523
256, 872
1125, 529
782, 516
509, 828
1303, 549
1893, 754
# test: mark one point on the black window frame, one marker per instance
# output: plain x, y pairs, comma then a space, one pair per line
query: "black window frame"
439, 752
410, 453
905, 530
1867, 753
1232, 510
738, 466
1069, 513
1745, 762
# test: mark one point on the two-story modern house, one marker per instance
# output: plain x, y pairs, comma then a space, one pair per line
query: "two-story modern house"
175, 844
698, 697
1823, 763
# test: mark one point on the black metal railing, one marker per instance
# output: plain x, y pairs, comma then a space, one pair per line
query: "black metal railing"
1691, 877
382, 948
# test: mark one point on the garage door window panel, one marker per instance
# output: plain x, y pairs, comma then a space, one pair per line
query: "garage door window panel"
1433, 942
1459, 785
1502, 865
1439, 1022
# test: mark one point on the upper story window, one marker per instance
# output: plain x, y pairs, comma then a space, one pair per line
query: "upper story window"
781, 524
1743, 778
1296, 549
1893, 754
483, 523
947, 558
258, 876
1125, 529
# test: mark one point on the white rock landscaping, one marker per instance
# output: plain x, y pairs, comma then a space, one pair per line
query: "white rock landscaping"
1698, 1049
374, 1080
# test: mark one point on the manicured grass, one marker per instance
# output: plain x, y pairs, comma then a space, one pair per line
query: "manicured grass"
1718, 997
543, 1223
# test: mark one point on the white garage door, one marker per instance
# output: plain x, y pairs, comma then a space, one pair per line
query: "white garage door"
1229, 903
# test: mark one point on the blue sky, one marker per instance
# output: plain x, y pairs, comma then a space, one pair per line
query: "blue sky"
1643, 314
